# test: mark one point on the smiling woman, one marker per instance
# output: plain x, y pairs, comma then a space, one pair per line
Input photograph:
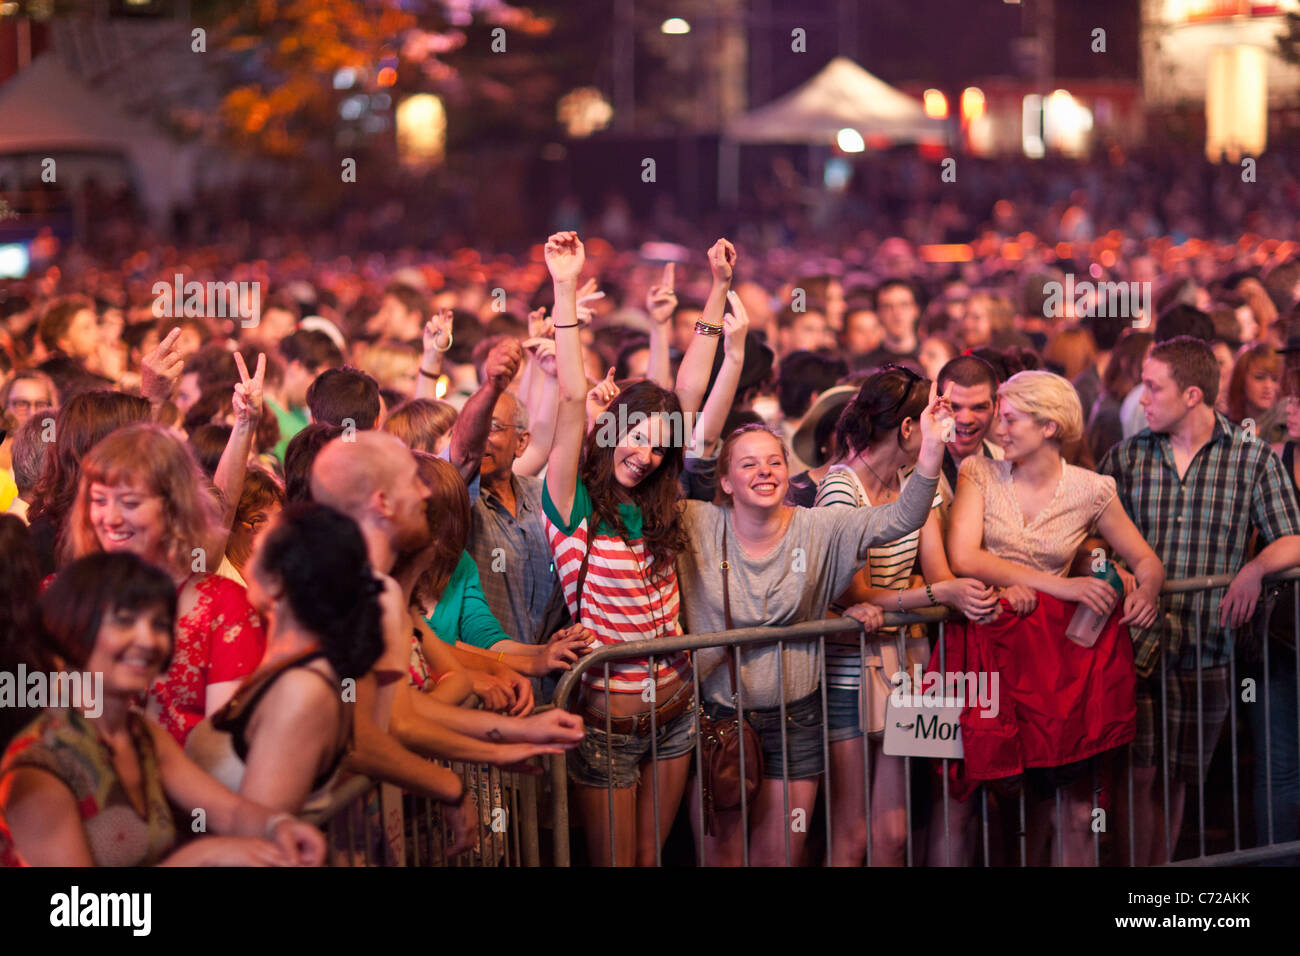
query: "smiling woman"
141, 492
78, 789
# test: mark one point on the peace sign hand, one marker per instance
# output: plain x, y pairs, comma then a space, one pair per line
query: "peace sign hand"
936, 428
247, 399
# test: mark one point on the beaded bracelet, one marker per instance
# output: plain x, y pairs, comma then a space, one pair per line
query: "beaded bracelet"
929, 592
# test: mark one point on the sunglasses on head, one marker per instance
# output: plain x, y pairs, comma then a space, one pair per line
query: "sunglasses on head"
912, 379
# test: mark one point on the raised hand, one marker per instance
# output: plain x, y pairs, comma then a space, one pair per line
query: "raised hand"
735, 326
247, 399
565, 256
601, 395
437, 329
543, 350
160, 371
936, 425
539, 326
588, 294
661, 300
722, 260
503, 363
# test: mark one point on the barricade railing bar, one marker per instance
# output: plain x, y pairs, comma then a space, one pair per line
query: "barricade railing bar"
818, 631
373, 824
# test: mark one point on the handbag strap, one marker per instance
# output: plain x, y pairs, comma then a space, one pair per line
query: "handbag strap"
726, 609
582, 576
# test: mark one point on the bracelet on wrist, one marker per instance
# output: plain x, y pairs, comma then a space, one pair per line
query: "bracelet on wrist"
929, 592
571, 325
431, 375
703, 328
275, 820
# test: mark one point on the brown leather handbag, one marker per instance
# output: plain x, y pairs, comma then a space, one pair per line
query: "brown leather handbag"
721, 739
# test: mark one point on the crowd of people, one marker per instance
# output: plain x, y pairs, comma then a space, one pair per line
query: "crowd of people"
331, 537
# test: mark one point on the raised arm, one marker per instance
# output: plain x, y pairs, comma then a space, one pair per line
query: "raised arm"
233, 466
697, 363
661, 303
541, 399
437, 340
708, 427
470, 432
565, 257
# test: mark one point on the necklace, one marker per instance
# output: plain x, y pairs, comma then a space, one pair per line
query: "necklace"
884, 485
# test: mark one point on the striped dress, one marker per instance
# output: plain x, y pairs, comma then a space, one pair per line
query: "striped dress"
622, 600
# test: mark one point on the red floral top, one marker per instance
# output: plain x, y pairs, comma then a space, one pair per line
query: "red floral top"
220, 639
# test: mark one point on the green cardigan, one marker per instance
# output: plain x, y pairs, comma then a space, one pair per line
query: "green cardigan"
462, 613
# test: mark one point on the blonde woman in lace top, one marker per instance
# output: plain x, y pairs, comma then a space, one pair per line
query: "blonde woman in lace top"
1018, 523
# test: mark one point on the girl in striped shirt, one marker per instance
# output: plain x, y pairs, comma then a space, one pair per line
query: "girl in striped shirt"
612, 498
879, 431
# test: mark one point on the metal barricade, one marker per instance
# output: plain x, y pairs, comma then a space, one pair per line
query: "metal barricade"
1014, 817
368, 823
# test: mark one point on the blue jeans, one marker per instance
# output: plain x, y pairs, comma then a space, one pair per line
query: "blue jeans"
1284, 748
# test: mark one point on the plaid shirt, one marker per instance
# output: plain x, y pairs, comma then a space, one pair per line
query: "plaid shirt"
517, 580
1199, 525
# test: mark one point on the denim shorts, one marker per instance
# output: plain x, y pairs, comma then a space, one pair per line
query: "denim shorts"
803, 719
843, 713
589, 763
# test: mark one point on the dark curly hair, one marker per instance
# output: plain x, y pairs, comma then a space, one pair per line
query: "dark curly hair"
880, 406
657, 493
320, 556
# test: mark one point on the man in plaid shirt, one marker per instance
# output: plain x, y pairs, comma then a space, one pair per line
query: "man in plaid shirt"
1196, 486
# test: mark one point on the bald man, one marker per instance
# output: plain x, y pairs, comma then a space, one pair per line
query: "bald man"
373, 478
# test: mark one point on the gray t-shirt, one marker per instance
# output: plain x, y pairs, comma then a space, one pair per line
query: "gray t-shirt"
821, 551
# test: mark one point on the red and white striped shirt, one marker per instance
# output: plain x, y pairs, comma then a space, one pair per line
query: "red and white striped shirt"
622, 601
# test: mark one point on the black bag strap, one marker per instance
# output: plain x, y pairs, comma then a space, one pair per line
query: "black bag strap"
726, 610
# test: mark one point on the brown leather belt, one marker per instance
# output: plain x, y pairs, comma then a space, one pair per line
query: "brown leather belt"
639, 724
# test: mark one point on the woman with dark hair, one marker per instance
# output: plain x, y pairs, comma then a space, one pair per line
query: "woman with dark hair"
611, 507
92, 782
20, 622
281, 738
141, 491
81, 423
880, 434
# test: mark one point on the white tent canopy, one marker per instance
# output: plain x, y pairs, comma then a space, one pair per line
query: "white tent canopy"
842, 96
47, 109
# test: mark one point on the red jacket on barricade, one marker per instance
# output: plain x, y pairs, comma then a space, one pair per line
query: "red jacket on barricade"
1057, 702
